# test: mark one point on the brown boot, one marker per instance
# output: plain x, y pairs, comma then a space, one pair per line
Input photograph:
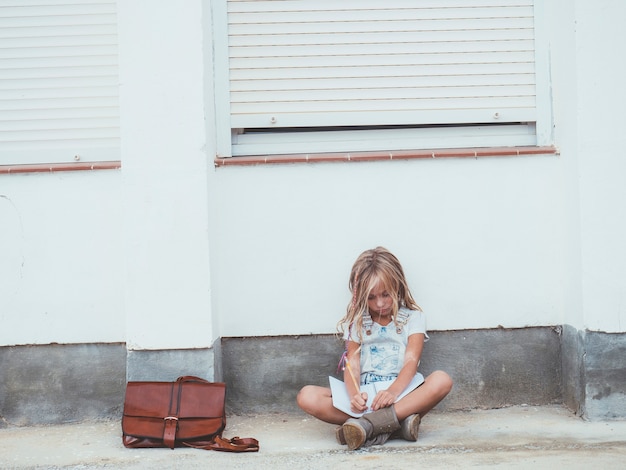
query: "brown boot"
409, 428
378, 440
339, 437
370, 429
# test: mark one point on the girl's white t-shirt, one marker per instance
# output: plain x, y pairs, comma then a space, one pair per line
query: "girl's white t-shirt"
382, 351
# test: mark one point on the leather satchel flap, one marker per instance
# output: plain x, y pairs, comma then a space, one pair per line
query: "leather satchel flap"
201, 400
199, 413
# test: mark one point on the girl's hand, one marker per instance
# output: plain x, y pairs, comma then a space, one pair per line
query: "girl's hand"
358, 403
383, 399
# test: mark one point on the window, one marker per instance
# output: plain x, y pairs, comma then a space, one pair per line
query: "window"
362, 75
59, 82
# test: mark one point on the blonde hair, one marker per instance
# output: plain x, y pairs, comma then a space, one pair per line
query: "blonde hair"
373, 266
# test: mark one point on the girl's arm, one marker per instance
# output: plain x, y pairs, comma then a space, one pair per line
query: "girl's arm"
358, 400
412, 355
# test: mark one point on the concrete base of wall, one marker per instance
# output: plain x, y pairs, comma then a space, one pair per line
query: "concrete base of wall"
53, 384
167, 366
491, 368
594, 366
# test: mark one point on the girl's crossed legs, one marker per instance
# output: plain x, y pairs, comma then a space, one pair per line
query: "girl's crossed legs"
317, 401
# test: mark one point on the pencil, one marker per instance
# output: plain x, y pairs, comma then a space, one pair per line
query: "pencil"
356, 384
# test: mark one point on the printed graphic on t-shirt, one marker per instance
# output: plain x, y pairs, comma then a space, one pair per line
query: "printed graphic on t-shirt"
384, 357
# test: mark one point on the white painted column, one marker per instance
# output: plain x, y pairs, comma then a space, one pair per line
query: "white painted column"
601, 142
164, 168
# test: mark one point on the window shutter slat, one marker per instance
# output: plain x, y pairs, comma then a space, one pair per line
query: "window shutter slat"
322, 63
59, 81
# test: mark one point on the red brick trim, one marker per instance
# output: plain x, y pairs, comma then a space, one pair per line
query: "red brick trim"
380, 156
54, 167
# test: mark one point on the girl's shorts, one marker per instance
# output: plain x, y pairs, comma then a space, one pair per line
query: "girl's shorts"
369, 378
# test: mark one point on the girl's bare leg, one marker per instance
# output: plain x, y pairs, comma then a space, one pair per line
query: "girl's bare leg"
423, 399
318, 402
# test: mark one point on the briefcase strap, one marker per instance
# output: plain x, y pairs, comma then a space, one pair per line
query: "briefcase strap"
169, 431
170, 426
236, 444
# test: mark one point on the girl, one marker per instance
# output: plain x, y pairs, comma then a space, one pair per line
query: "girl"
385, 332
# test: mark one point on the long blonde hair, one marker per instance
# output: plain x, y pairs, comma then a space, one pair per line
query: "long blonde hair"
373, 266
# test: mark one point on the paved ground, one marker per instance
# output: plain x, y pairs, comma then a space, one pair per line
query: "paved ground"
517, 437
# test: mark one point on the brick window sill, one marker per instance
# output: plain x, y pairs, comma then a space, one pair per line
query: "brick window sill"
306, 158
55, 167
383, 156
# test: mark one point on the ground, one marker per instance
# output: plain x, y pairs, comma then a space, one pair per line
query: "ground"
516, 437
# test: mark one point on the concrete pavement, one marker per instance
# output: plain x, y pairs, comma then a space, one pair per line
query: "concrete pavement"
516, 437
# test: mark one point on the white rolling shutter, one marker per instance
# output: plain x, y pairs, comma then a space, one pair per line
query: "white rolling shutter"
370, 62
58, 81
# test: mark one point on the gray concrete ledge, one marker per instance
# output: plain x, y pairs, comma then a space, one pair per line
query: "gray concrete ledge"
55, 383
167, 366
493, 368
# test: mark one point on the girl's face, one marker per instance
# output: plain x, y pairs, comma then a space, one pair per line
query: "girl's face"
379, 301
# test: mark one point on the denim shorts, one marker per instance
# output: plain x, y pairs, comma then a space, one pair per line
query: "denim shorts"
369, 378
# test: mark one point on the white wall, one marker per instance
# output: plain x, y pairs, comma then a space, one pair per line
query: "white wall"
172, 253
563, 58
602, 144
479, 240
167, 285
589, 125
61, 263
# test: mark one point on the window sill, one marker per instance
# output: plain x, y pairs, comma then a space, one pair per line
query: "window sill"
382, 156
54, 167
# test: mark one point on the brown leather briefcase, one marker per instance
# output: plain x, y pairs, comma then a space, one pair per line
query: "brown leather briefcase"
188, 412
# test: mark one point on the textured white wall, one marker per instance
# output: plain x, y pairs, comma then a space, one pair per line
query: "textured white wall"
589, 127
61, 263
479, 239
512, 242
167, 285
113, 256
602, 150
